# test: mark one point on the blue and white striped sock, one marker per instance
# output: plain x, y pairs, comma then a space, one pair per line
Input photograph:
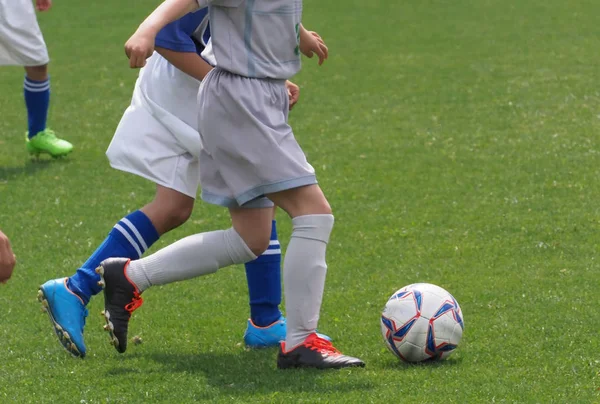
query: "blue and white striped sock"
264, 283
37, 100
129, 238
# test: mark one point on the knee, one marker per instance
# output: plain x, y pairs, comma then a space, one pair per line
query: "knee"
38, 73
168, 216
317, 206
258, 244
253, 226
176, 215
323, 207
301, 201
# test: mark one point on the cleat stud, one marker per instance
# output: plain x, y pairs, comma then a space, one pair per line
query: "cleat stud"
44, 310
100, 270
65, 335
101, 284
45, 303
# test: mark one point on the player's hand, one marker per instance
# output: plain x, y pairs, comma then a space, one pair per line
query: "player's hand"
7, 259
311, 43
293, 92
139, 48
43, 5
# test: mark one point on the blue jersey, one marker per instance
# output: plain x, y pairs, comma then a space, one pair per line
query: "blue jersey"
188, 34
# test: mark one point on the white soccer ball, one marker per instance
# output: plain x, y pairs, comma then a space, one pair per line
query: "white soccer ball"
422, 321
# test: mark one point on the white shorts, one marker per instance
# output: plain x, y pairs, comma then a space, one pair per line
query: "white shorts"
21, 41
249, 148
157, 137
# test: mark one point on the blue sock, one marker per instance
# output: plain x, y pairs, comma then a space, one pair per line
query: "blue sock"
264, 284
130, 238
37, 100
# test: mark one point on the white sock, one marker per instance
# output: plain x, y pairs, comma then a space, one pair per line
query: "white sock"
193, 256
304, 271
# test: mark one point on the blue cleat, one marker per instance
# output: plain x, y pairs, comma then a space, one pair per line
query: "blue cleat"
269, 336
67, 314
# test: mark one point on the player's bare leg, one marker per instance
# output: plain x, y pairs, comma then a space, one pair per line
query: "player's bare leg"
253, 226
169, 209
304, 272
37, 73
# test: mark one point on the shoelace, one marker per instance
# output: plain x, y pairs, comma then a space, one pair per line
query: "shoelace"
135, 302
322, 345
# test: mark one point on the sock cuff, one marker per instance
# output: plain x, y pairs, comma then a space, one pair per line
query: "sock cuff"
135, 231
313, 227
138, 222
271, 254
35, 86
36, 82
138, 271
128, 241
237, 249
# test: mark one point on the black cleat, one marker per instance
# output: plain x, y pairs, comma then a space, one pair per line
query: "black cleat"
121, 298
315, 352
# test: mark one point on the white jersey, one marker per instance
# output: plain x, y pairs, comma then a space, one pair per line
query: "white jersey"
256, 38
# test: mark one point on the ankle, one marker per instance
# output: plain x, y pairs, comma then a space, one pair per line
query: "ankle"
264, 315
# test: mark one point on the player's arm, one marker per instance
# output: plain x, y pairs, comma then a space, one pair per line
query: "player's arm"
141, 44
168, 11
7, 259
312, 43
188, 62
293, 92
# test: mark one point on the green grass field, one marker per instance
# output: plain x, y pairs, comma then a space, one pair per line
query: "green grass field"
458, 145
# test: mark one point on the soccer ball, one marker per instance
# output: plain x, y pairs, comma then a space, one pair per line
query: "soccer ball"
421, 321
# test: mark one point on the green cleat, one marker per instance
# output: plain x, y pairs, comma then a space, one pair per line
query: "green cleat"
47, 142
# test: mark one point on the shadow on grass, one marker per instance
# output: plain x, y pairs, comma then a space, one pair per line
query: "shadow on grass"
31, 167
248, 372
125, 371
428, 364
